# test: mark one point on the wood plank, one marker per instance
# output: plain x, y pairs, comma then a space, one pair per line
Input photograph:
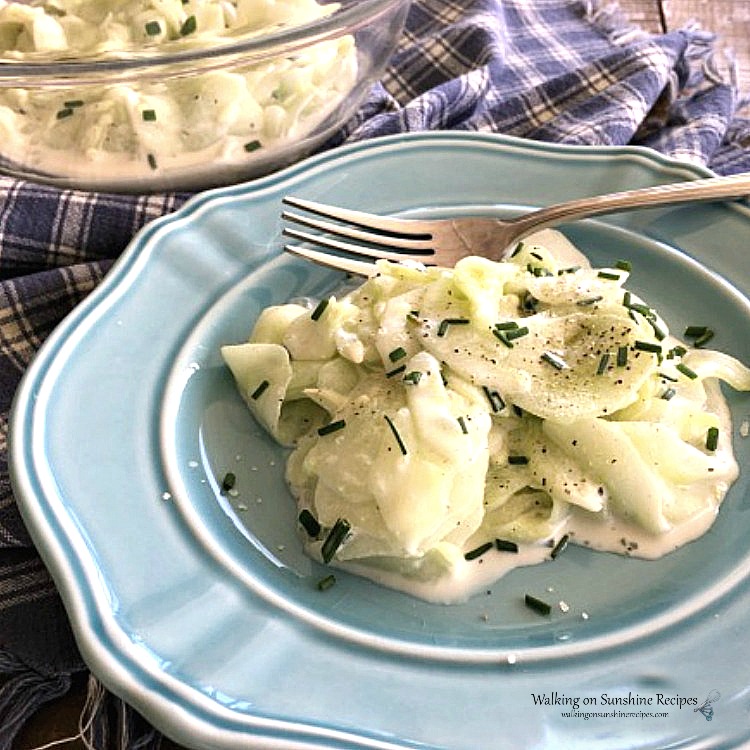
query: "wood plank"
729, 19
645, 13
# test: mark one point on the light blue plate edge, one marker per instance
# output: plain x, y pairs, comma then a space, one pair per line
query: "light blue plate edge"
86, 616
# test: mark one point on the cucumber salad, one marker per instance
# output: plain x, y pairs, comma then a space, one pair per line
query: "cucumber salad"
135, 128
448, 425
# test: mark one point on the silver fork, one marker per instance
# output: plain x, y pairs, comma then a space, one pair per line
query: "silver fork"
443, 242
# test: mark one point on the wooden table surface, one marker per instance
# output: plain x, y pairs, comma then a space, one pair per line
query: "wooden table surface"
729, 19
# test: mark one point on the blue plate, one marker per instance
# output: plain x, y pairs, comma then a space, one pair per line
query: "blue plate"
199, 608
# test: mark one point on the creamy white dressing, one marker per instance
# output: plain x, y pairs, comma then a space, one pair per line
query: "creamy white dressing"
210, 126
428, 469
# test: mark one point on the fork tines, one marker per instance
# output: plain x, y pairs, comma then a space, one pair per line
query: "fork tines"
374, 236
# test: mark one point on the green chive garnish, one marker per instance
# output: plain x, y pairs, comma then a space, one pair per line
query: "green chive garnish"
712, 438
537, 605
251, 146
516, 333
496, 402
228, 482
63, 113
686, 371
507, 326
517, 249
151, 159
462, 423
555, 360
259, 391
73, 103
397, 354
335, 539
478, 551
516, 460
149, 115
603, 362
505, 545
669, 394
648, 346
319, 310
153, 28
397, 371
622, 356
309, 523
693, 332
704, 339
412, 377
677, 351
562, 543
325, 583
608, 275
502, 336
444, 324
624, 265
189, 26
327, 429
400, 442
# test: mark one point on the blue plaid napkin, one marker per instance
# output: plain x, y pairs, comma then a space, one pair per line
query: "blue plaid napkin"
570, 71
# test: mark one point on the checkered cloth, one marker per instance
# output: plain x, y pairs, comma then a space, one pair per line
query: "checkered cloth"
554, 70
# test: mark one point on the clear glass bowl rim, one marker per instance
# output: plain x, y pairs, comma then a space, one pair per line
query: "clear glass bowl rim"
139, 64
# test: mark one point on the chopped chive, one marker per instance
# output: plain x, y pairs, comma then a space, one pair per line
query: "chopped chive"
686, 371
309, 523
228, 482
73, 103
659, 330
516, 460
496, 402
507, 326
462, 423
669, 394
536, 255
693, 332
517, 249
648, 346
624, 265
505, 545
152, 28
63, 113
400, 442
478, 551
251, 146
325, 583
260, 390
712, 438
335, 539
189, 26
589, 301
537, 605
397, 354
444, 324
412, 377
704, 339
603, 363
502, 336
677, 351
149, 115
327, 429
555, 360
622, 356
151, 159
396, 371
562, 543
644, 310
516, 333
626, 299
608, 275
664, 376
570, 269
319, 310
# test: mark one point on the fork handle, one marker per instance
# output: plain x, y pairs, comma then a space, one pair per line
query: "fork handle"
707, 189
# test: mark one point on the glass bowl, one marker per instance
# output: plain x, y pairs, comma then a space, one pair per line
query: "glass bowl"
181, 94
